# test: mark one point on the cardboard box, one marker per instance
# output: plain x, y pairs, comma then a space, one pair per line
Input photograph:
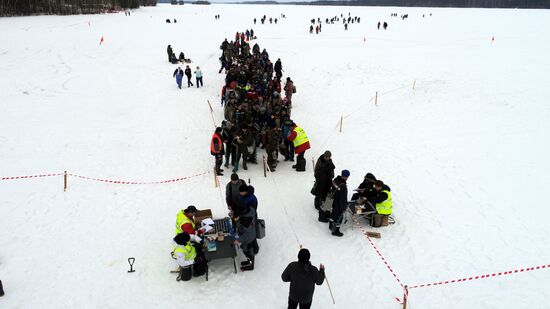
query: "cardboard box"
201, 215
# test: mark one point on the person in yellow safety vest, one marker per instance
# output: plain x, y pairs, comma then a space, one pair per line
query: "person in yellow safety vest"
185, 222
301, 143
184, 251
383, 199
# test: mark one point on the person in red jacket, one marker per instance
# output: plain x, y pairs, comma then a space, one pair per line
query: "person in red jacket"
301, 143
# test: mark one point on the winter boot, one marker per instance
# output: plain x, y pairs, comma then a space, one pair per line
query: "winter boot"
246, 263
248, 266
330, 224
301, 165
336, 232
323, 216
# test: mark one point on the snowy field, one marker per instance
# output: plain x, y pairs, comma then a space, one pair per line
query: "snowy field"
465, 153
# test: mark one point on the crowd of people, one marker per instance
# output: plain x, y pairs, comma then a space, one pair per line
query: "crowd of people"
257, 114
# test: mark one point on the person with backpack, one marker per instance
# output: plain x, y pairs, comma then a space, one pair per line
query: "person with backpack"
178, 74
246, 231
188, 74
289, 89
340, 202
302, 277
217, 150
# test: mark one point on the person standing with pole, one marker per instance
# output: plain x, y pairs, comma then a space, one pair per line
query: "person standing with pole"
302, 277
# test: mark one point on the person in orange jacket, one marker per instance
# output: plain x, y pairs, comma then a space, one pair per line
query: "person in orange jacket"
217, 150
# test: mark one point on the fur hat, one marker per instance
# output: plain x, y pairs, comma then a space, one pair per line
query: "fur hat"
304, 255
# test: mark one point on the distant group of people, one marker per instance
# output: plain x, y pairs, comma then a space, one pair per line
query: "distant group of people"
384, 25
333, 190
257, 115
345, 21
217, 16
179, 72
271, 19
172, 56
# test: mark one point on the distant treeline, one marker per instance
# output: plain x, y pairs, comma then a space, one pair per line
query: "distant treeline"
539, 4
524, 4
66, 7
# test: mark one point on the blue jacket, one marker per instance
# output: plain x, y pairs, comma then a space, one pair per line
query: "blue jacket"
250, 200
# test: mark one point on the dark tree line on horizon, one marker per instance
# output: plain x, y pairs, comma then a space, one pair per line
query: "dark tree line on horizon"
533, 4
66, 7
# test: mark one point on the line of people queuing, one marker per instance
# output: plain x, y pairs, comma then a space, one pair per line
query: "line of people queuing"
370, 194
256, 115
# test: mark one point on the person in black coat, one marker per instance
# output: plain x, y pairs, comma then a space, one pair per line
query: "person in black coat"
302, 277
366, 189
188, 74
324, 173
278, 68
340, 202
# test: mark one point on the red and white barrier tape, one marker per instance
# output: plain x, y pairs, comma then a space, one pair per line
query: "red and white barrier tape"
32, 176
379, 254
502, 273
137, 182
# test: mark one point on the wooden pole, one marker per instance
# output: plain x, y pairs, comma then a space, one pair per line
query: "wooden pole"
341, 121
414, 84
65, 181
376, 98
405, 295
215, 178
265, 167
330, 290
313, 163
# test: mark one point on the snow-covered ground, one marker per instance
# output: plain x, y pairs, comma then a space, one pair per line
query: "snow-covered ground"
465, 153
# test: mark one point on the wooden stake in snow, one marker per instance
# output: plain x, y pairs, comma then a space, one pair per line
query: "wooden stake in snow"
265, 166
405, 292
65, 181
376, 98
414, 84
330, 290
216, 182
341, 121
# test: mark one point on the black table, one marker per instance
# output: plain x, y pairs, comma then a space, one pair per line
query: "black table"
224, 249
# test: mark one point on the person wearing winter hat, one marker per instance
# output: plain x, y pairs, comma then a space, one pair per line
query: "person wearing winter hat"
232, 193
339, 203
366, 189
302, 277
184, 251
217, 150
301, 143
185, 222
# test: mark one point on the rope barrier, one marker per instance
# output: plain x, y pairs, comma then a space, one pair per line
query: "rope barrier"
106, 180
473, 278
31, 176
137, 182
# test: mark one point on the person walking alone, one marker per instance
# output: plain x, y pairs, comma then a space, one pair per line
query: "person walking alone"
188, 74
302, 277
